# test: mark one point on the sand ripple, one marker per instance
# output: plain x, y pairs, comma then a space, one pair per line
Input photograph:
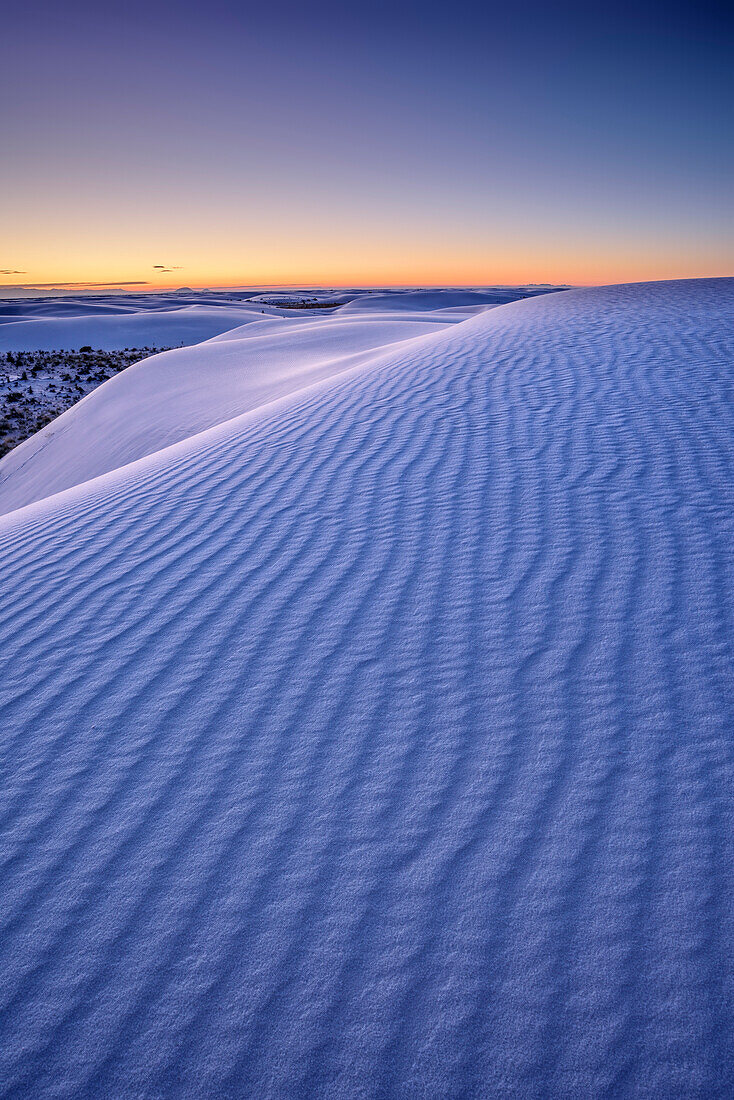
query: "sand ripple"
380, 744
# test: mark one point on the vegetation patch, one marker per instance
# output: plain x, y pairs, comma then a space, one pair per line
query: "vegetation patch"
37, 386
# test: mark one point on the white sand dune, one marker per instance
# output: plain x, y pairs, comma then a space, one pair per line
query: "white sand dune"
433, 298
170, 396
170, 319
377, 741
142, 328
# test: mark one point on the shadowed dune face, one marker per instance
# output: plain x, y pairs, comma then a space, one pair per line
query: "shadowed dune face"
378, 743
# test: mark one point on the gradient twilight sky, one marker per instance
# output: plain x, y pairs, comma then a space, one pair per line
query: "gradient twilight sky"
224, 143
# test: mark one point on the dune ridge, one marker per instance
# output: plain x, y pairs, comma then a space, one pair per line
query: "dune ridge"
170, 396
377, 742
166, 319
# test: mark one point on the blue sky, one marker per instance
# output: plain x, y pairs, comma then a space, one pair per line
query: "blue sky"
375, 143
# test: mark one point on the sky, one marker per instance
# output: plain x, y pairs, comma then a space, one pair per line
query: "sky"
222, 143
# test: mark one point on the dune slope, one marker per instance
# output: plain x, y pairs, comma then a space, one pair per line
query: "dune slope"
166, 319
179, 393
378, 742
162, 328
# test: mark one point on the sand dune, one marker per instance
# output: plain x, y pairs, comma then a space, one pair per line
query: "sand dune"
433, 298
114, 322
187, 325
168, 397
377, 741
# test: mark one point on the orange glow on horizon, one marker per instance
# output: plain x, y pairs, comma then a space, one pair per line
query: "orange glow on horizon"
377, 266
500, 275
